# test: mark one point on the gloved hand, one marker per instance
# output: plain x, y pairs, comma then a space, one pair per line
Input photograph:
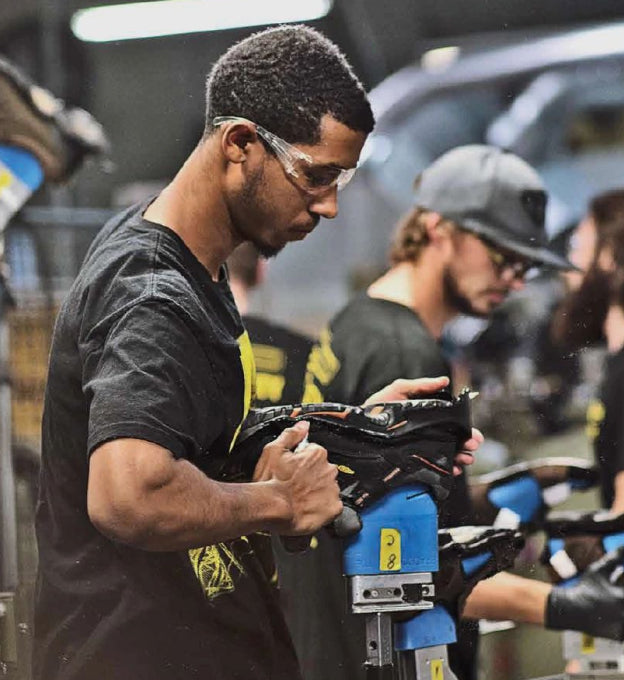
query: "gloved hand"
594, 604
468, 555
520, 495
577, 539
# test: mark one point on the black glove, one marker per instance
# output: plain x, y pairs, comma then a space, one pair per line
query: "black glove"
520, 495
595, 603
577, 539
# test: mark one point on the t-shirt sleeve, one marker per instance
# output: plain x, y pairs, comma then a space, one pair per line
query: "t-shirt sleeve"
150, 378
370, 362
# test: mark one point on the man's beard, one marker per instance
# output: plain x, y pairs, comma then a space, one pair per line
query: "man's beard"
456, 300
250, 200
579, 319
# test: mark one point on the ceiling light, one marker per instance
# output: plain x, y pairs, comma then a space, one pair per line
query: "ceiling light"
173, 17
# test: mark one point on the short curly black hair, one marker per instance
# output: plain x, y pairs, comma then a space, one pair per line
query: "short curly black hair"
286, 79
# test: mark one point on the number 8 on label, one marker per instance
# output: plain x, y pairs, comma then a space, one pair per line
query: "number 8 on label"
390, 550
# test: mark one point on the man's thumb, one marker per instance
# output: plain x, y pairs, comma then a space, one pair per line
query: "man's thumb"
291, 436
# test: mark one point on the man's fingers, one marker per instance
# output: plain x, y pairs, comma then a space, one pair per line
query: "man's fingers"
287, 440
612, 564
402, 389
478, 435
290, 437
420, 386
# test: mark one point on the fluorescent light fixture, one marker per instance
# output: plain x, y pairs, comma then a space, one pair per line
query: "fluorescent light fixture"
173, 17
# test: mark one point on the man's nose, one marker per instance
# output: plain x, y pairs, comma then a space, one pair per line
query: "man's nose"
517, 283
325, 204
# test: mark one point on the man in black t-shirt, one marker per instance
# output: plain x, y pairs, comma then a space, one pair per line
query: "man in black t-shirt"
476, 228
593, 312
149, 567
280, 354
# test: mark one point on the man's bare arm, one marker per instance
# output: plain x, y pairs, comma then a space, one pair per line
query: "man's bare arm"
139, 494
507, 596
618, 488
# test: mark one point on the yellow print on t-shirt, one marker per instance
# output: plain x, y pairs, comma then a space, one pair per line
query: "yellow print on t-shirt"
216, 567
321, 369
594, 417
249, 373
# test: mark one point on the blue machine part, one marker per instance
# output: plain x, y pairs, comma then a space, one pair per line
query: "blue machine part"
474, 563
522, 495
613, 541
555, 545
399, 535
427, 629
23, 165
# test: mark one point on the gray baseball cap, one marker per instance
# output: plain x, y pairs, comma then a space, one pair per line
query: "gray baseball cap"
494, 194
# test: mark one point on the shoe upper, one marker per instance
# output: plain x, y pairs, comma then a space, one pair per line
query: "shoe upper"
376, 448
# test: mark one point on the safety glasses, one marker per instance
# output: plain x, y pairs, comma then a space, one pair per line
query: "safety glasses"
299, 166
506, 261
503, 260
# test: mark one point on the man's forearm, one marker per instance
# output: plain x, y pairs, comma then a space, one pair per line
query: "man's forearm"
173, 505
195, 510
506, 596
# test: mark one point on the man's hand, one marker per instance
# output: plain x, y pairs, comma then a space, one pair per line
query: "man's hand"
402, 389
594, 604
466, 455
305, 480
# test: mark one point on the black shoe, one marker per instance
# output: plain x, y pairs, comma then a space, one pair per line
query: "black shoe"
468, 555
376, 448
577, 539
32, 119
526, 491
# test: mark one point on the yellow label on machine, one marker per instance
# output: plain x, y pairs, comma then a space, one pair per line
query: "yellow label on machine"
588, 644
437, 669
5, 179
390, 550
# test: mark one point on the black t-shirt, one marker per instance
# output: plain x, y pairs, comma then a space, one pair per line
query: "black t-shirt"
147, 346
280, 356
605, 421
369, 344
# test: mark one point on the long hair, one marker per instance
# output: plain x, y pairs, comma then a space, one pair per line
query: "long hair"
410, 237
580, 318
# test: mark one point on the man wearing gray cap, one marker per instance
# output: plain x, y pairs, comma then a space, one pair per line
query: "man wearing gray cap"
476, 228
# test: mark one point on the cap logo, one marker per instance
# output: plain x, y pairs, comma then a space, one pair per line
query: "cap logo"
534, 204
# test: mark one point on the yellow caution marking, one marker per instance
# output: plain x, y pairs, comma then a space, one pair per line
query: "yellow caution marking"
588, 644
437, 669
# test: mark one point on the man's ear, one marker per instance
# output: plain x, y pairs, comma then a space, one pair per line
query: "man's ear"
434, 226
261, 271
235, 142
